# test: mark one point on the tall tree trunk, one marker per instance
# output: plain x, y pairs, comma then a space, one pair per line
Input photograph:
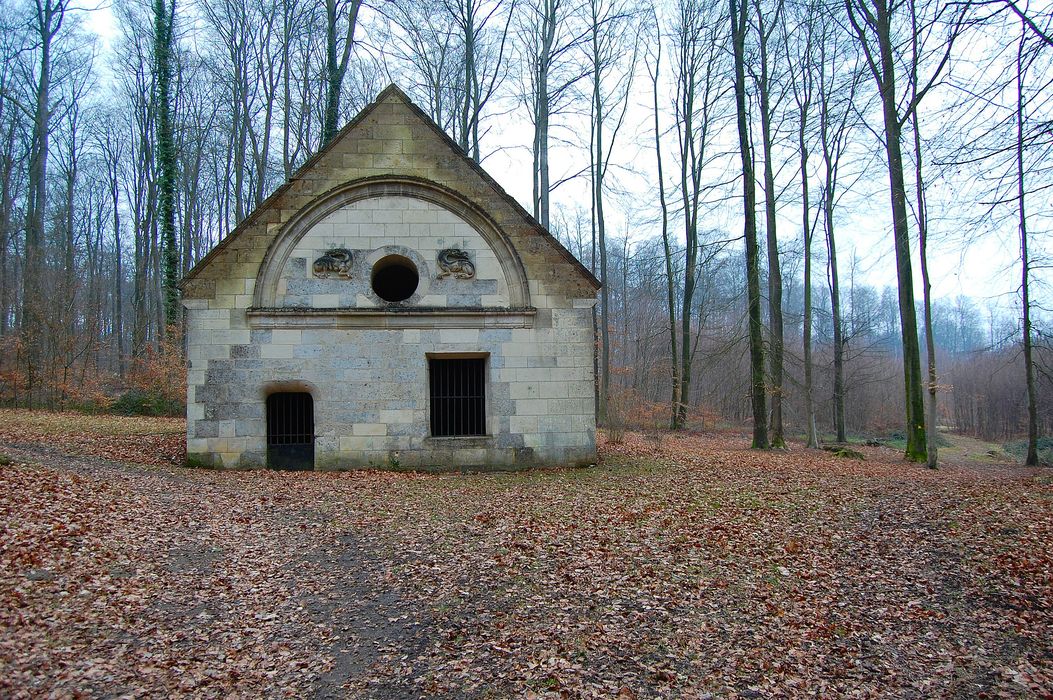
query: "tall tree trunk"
468, 29
7, 171
287, 25
542, 111
118, 268
47, 22
811, 434
884, 69
914, 403
739, 23
931, 448
835, 310
166, 160
336, 60
601, 236
670, 278
140, 290
688, 195
832, 132
926, 287
775, 355
1025, 266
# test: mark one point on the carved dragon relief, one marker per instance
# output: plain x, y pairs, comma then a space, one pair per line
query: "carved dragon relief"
455, 263
335, 263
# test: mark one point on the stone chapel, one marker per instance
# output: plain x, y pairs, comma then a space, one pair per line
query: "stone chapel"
390, 306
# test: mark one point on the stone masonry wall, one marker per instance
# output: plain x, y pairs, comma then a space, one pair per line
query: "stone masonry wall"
528, 309
370, 385
381, 225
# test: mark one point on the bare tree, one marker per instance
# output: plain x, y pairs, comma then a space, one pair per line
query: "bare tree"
654, 72
550, 31
611, 67
837, 89
1025, 259
739, 17
1039, 22
484, 43
46, 22
341, 17
762, 69
698, 65
422, 38
110, 143
164, 17
801, 65
13, 121
921, 215
874, 23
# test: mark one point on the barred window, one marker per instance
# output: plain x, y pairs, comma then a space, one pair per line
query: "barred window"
290, 430
458, 396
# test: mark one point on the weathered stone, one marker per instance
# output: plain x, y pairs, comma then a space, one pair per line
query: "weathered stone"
286, 304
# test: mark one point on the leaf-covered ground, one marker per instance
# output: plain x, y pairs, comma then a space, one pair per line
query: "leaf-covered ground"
686, 568
152, 441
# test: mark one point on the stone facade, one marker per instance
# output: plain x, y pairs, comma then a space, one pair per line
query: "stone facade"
289, 303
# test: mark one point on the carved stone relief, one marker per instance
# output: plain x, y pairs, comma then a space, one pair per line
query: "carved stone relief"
455, 263
336, 263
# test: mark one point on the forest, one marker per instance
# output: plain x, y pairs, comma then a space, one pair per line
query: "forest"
762, 186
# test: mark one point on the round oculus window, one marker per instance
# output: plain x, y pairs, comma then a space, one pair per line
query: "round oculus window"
395, 278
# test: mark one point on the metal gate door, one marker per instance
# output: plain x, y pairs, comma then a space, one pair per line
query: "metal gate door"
290, 431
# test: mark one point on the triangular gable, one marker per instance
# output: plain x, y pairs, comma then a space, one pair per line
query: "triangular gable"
433, 155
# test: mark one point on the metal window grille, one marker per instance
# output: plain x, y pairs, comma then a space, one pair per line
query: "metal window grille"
290, 430
458, 396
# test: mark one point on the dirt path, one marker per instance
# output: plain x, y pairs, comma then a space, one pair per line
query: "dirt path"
236, 590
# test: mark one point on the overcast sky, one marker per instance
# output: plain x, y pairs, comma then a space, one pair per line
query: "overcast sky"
985, 267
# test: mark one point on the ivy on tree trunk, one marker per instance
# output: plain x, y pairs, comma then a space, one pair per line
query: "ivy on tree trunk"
166, 158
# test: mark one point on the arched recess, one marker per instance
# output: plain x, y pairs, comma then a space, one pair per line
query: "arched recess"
290, 234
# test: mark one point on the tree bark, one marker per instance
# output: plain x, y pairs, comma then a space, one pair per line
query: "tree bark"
835, 313
775, 320
883, 68
804, 94
739, 18
601, 235
931, 448
166, 159
47, 21
670, 282
1025, 268
336, 60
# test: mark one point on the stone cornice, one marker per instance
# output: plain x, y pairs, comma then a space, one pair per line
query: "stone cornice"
391, 318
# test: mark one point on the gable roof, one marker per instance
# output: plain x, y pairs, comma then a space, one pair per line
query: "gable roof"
389, 94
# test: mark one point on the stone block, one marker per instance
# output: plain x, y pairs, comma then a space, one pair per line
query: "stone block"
467, 336
208, 352
277, 351
524, 390
286, 337
230, 337
523, 425
531, 407
554, 390
222, 301
325, 301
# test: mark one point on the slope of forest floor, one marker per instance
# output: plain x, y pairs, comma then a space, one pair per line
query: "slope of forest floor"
681, 566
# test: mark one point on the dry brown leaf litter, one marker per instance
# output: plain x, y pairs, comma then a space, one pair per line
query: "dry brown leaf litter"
693, 568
